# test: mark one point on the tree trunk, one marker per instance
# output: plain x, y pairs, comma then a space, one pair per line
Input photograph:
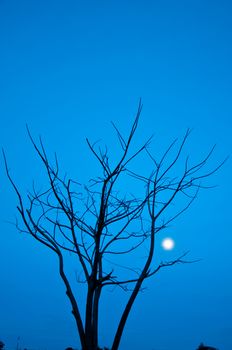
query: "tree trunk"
95, 316
89, 316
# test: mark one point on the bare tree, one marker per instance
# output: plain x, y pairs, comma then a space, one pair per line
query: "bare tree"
96, 221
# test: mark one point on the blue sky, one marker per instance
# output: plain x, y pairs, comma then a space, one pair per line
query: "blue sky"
68, 68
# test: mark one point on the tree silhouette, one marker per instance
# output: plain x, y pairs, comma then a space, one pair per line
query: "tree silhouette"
2, 345
98, 221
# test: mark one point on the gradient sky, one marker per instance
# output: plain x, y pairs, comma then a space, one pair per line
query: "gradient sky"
67, 69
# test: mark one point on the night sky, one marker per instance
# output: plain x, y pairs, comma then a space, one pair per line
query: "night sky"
69, 68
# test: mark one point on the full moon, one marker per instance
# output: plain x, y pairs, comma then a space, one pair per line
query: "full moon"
168, 243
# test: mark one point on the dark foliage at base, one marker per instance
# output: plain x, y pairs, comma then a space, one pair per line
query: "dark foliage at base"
205, 347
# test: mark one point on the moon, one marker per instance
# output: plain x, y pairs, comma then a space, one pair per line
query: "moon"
168, 243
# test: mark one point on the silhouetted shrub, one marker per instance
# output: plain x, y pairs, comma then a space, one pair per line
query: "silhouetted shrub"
2, 345
205, 347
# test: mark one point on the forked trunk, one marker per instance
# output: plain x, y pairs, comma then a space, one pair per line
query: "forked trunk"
91, 319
